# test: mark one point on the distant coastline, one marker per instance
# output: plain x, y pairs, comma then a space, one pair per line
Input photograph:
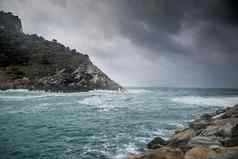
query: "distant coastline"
31, 62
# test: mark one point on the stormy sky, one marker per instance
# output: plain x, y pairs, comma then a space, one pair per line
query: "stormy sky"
185, 43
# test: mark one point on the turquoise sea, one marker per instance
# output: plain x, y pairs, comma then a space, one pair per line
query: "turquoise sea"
98, 124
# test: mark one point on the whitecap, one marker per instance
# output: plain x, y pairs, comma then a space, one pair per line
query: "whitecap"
207, 101
15, 90
93, 100
125, 152
17, 98
103, 103
164, 133
138, 91
102, 91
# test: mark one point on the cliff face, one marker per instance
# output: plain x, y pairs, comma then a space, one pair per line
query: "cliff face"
31, 62
10, 22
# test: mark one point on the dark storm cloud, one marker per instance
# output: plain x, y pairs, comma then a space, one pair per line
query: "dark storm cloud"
203, 31
144, 42
151, 23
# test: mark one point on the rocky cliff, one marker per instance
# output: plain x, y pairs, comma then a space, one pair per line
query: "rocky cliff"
31, 62
10, 22
213, 136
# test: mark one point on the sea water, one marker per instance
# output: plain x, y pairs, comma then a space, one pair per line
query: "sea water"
98, 124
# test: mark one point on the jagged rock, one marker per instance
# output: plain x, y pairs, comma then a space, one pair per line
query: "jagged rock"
210, 131
10, 22
221, 127
202, 141
197, 153
226, 130
230, 112
47, 65
207, 116
229, 142
234, 131
199, 124
216, 153
180, 140
157, 142
162, 153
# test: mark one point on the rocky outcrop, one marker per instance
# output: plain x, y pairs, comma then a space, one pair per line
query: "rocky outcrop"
213, 136
161, 153
157, 142
31, 62
212, 153
10, 22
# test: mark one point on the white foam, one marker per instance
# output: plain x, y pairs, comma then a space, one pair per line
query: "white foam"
102, 91
128, 150
138, 91
15, 90
104, 100
19, 98
207, 101
164, 133
94, 100
101, 102
130, 91
22, 95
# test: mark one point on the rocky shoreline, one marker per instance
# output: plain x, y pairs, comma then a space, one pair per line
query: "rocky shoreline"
34, 63
213, 136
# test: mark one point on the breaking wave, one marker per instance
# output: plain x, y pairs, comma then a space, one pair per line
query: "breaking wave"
207, 101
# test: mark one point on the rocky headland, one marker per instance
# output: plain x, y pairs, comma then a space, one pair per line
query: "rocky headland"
31, 62
213, 136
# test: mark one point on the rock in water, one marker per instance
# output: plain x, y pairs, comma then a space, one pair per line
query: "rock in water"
157, 142
31, 62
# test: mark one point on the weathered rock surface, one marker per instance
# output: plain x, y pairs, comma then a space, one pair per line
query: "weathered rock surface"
10, 22
202, 141
213, 136
216, 153
182, 138
156, 143
162, 153
31, 62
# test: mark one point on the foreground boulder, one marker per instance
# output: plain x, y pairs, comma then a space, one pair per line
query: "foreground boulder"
181, 139
162, 153
31, 62
217, 153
